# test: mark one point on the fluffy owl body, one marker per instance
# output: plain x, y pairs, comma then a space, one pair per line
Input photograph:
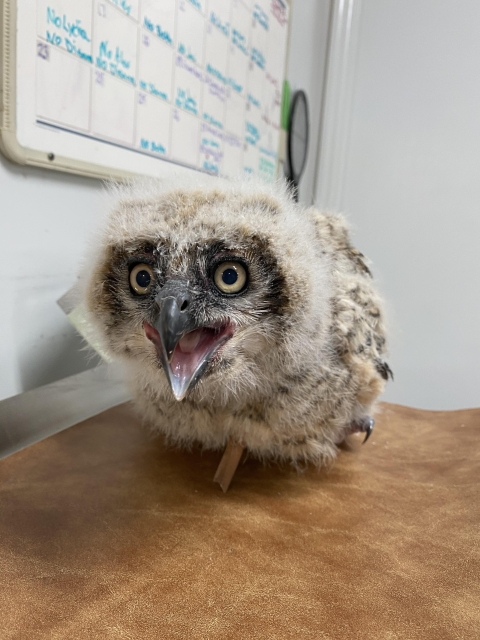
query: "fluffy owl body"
278, 334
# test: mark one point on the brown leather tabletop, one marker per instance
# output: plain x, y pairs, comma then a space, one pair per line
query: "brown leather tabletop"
105, 533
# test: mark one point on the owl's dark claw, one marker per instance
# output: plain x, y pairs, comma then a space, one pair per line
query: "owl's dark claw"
369, 429
365, 425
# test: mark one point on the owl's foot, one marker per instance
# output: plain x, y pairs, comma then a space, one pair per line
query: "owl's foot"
364, 425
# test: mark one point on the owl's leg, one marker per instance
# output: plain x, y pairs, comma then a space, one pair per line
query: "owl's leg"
364, 425
228, 464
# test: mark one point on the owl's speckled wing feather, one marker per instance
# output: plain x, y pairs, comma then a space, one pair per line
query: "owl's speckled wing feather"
358, 324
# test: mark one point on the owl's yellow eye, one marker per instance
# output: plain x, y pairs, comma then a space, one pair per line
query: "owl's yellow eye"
141, 278
230, 277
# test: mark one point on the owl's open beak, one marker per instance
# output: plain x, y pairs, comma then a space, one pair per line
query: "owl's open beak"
184, 347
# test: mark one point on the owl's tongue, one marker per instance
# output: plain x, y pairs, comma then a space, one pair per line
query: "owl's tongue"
190, 350
190, 341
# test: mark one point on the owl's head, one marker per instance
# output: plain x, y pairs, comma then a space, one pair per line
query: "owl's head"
209, 287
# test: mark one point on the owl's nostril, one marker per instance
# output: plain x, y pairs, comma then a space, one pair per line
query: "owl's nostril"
184, 305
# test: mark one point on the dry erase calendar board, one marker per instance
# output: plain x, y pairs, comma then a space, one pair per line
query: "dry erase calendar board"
110, 87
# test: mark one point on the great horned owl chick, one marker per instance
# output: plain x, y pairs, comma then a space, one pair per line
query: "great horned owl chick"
239, 314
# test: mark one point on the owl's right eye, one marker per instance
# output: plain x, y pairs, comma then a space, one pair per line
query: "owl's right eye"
141, 278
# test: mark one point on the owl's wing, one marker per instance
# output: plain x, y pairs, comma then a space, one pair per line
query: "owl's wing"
358, 322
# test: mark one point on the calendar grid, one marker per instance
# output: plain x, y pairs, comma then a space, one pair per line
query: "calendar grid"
195, 82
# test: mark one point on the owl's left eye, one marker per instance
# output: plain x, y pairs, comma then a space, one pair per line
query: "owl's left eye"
141, 278
230, 277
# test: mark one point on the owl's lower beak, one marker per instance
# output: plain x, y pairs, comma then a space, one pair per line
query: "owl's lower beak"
185, 348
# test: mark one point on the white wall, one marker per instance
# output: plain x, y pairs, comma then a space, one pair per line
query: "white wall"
306, 70
46, 218
411, 188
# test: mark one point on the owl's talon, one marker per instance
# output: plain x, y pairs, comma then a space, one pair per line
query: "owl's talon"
368, 430
365, 425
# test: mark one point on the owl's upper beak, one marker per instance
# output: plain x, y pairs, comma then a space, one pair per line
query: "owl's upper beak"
185, 347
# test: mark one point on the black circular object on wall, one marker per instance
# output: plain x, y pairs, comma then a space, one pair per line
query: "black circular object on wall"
297, 141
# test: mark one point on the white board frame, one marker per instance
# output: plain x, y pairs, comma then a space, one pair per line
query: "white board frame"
24, 155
